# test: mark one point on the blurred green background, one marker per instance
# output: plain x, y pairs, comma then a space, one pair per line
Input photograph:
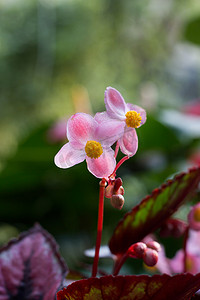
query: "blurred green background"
56, 58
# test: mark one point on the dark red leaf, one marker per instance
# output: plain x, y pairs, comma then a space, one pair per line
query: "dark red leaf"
157, 287
196, 296
154, 210
31, 267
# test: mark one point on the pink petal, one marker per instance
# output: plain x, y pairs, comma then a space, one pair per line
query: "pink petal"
115, 104
129, 142
176, 263
104, 165
109, 130
80, 129
102, 117
138, 109
68, 156
163, 262
193, 242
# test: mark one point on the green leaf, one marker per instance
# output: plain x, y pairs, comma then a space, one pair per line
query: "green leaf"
153, 210
157, 287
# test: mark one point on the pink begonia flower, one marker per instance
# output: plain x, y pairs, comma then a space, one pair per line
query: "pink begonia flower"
176, 264
87, 141
194, 217
163, 264
57, 132
124, 116
192, 263
193, 243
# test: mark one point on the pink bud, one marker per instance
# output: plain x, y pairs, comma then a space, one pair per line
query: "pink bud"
154, 245
194, 217
117, 201
121, 191
137, 250
109, 191
118, 184
150, 257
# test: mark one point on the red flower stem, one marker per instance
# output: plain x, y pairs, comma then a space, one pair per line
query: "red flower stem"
116, 149
99, 226
119, 164
186, 235
119, 263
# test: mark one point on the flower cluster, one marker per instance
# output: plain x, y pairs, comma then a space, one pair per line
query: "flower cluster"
146, 251
188, 258
90, 138
115, 191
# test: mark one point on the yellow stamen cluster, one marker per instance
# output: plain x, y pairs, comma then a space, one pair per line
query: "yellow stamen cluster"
93, 149
133, 119
197, 214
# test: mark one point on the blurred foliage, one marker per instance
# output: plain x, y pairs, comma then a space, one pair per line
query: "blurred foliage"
148, 50
192, 31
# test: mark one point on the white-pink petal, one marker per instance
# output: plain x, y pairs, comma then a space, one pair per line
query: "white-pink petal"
115, 104
101, 117
193, 242
68, 156
103, 166
129, 142
138, 109
109, 130
80, 129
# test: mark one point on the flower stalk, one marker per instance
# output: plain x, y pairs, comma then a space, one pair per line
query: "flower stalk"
118, 165
186, 235
119, 263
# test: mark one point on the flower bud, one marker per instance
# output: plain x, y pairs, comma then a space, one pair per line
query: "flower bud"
118, 184
114, 187
150, 257
154, 245
117, 201
109, 191
194, 217
137, 250
121, 190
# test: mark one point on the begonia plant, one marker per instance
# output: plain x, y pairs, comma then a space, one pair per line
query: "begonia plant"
31, 267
